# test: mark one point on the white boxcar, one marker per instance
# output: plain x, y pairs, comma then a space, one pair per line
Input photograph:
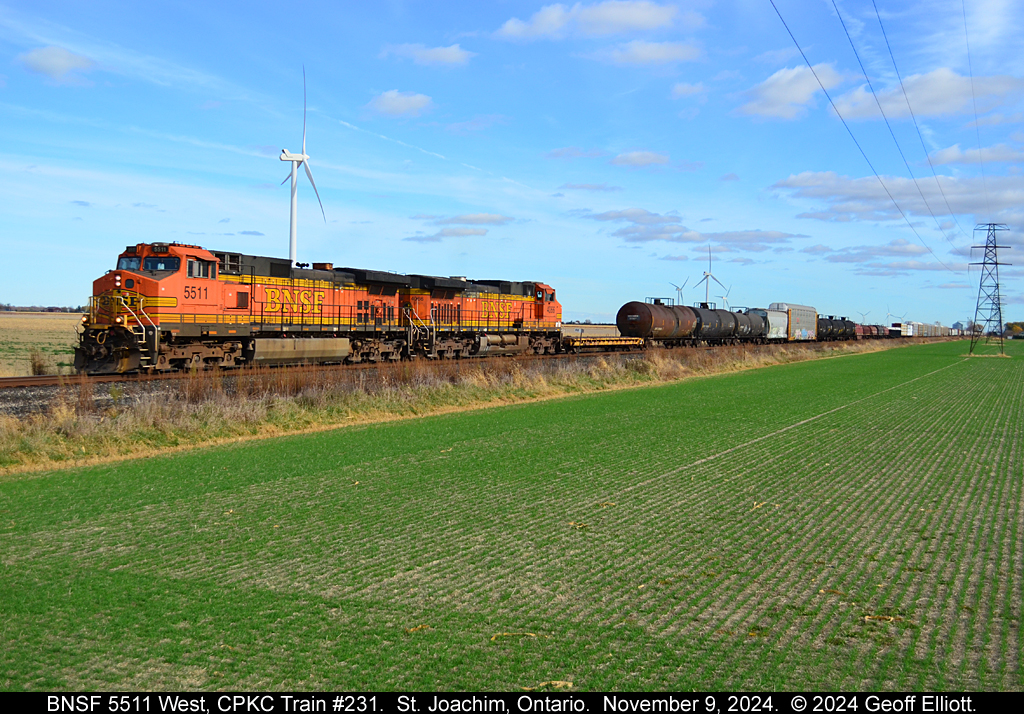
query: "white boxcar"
803, 320
778, 323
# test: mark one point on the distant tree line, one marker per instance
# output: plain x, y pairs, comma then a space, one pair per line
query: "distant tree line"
7, 307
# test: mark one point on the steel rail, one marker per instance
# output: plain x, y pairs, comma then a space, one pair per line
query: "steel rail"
70, 380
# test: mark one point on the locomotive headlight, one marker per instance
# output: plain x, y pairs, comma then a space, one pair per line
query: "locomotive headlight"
118, 319
85, 319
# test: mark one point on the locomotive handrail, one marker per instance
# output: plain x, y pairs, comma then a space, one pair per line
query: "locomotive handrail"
156, 332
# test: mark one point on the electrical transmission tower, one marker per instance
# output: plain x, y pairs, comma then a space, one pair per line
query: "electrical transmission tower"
988, 315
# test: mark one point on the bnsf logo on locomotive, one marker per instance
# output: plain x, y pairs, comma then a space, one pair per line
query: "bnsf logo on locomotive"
286, 300
492, 308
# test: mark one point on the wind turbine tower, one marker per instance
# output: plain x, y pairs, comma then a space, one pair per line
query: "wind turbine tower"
296, 161
679, 291
708, 277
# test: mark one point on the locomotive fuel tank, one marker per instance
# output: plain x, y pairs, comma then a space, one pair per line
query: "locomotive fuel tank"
656, 321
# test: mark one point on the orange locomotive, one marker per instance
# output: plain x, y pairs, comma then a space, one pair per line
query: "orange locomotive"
172, 306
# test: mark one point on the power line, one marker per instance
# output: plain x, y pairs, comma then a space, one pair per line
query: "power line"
920, 136
857, 143
974, 99
887, 124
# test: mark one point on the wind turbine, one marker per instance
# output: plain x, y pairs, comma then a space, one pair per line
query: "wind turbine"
298, 160
863, 316
725, 298
679, 291
708, 277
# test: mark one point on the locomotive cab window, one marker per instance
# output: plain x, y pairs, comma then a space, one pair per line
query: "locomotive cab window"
129, 263
201, 269
161, 262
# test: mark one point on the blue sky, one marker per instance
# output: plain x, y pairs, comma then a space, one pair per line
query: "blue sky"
600, 147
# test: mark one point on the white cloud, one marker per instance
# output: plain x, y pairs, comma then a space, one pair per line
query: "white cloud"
777, 56
550, 20
420, 54
997, 119
616, 16
682, 89
866, 253
816, 249
645, 226
447, 233
902, 267
941, 92
954, 155
394, 103
57, 63
868, 259
639, 159
611, 17
640, 216
641, 52
473, 219
786, 94
864, 198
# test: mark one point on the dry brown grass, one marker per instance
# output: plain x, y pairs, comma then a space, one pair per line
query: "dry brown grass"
209, 407
50, 336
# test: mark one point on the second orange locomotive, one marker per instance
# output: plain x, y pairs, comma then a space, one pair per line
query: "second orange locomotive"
171, 306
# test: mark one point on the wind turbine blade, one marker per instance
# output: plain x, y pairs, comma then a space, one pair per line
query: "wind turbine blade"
285, 179
685, 282
305, 165
717, 281
304, 114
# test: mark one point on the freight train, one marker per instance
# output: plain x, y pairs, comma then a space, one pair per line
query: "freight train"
664, 324
174, 306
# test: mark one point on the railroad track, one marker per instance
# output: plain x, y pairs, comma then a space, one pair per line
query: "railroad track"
77, 379
59, 380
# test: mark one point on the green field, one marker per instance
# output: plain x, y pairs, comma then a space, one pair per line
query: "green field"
850, 523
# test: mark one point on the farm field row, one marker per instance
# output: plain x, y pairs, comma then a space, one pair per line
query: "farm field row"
850, 523
51, 335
